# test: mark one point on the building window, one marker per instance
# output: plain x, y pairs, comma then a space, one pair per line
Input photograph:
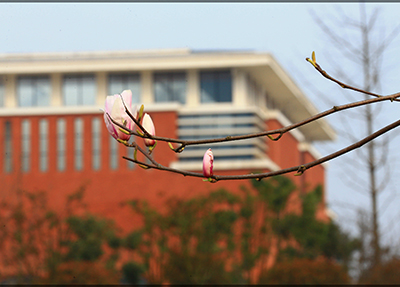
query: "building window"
170, 87
79, 90
26, 145
43, 144
33, 91
269, 102
61, 144
252, 91
120, 82
1, 93
7, 147
96, 143
216, 86
78, 132
113, 153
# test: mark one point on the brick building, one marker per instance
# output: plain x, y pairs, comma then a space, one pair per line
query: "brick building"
53, 137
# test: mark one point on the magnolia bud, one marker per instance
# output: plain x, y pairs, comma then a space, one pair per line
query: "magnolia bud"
114, 108
208, 160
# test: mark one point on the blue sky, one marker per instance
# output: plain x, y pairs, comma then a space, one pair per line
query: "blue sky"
286, 30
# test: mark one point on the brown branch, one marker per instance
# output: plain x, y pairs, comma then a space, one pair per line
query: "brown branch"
147, 134
343, 85
300, 168
280, 131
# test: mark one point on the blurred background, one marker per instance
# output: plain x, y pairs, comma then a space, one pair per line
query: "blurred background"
74, 211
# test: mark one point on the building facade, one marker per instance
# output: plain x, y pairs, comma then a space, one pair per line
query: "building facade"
53, 137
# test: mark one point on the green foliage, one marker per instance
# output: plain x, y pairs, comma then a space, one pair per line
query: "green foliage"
275, 191
215, 238
133, 240
198, 238
132, 272
204, 229
91, 233
315, 237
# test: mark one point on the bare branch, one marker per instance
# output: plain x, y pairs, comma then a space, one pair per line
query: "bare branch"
300, 169
278, 132
343, 85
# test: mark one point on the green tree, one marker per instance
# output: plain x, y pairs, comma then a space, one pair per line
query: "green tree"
221, 237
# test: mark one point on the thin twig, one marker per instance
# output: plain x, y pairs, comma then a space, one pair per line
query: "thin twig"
279, 131
300, 168
343, 85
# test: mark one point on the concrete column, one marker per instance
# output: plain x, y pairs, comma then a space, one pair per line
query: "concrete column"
193, 88
147, 87
56, 90
239, 88
101, 83
10, 91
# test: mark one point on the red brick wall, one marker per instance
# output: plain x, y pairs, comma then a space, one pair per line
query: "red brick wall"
106, 189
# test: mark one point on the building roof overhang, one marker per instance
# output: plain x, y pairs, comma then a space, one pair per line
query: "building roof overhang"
261, 66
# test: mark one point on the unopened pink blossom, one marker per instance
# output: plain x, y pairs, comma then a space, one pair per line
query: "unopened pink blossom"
208, 161
149, 127
114, 108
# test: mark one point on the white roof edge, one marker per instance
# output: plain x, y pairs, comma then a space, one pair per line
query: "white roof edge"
299, 94
94, 54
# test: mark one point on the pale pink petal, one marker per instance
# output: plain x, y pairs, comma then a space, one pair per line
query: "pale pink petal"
127, 97
109, 103
149, 127
110, 126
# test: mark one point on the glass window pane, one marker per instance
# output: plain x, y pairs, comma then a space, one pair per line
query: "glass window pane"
120, 82
61, 144
96, 143
79, 90
207, 84
7, 147
26, 145
170, 87
25, 92
42, 92
43, 144
216, 86
179, 87
225, 87
78, 133
70, 91
88, 92
33, 91
160, 90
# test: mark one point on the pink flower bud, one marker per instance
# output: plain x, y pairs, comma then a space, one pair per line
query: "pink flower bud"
114, 107
208, 160
149, 127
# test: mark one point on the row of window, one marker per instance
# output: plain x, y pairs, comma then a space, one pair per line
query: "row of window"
61, 145
80, 90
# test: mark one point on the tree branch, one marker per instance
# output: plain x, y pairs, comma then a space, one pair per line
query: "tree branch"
280, 131
300, 168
